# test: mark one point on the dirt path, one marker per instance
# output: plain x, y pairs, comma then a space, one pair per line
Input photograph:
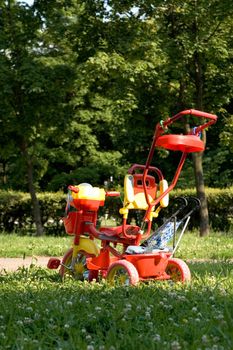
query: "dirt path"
12, 264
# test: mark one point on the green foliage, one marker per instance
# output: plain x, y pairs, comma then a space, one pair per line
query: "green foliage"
15, 208
83, 84
38, 311
219, 204
16, 215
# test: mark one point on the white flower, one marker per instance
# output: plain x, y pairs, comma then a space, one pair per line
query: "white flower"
27, 320
90, 347
156, 337
29, 309
204, 338
175, 345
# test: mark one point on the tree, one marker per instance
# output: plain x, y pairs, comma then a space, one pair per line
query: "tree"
35, 81
196, 35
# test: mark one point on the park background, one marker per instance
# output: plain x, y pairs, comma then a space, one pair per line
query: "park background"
82, 86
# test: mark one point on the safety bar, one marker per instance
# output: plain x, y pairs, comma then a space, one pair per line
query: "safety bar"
135, 167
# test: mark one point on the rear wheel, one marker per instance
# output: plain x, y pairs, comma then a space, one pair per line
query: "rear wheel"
122, 272
178, 270
76, 268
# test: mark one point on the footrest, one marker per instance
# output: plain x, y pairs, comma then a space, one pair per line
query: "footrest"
53, 263
117, 230
134, 249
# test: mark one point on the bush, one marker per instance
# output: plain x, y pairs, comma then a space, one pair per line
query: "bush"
220, 205
16, 214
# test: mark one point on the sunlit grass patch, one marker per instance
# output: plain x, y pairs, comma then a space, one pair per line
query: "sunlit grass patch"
40, 311
215, 246
12, 245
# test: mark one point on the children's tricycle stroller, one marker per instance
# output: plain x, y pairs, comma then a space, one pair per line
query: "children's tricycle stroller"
130, 253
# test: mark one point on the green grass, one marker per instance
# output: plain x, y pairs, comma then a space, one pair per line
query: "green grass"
12, 245
38, 311
215, 246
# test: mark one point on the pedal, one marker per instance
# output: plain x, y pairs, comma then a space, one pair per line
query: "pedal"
53, 263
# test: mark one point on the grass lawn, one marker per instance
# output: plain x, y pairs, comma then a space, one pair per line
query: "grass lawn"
38, 311
216, 246
13, 246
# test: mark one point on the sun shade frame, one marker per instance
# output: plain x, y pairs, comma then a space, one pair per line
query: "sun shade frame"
183, 143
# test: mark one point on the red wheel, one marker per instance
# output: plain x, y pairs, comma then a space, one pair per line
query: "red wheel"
123, 273
178, 270
76, 268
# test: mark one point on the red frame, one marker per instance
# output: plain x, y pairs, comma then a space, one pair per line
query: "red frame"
149, 266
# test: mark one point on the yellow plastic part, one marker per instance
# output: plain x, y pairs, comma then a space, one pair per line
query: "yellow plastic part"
87, 245
139, 202
163, 186
131, 200
155, 213
87, 191
124, 211
128, 189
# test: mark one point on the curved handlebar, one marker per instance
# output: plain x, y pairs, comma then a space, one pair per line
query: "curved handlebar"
73, 188
212, 119
201, 114
112, 194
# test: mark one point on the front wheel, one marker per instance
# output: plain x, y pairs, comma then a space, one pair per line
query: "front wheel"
178, 270
122, 272
74, 267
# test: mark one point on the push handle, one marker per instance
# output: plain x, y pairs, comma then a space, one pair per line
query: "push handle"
202, 114
212, 119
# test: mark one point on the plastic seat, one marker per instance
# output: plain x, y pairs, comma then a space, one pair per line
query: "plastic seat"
134, 196
117, 230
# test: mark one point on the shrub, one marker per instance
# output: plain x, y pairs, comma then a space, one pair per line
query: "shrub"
16, 213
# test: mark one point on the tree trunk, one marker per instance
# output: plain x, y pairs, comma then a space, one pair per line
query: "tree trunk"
197, 157
200, 188
35, 203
